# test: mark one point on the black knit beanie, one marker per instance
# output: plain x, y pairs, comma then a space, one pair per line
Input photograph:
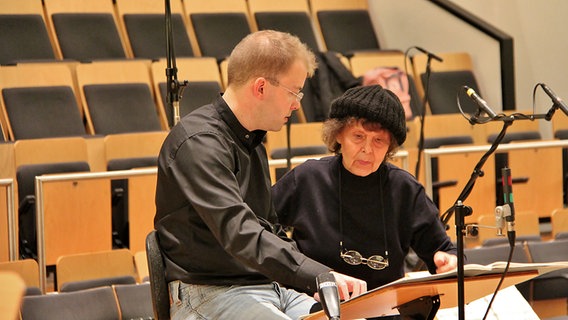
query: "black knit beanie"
375, 104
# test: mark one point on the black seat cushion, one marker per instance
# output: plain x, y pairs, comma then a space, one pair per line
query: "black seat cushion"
346, 31
121, 108
218, 33
195, 95
147, 35
24, 37
95, 283
43, 112
516, 136
444, 89
88, 36
296, 23
433, 143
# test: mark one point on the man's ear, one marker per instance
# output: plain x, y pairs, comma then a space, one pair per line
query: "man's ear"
259, 86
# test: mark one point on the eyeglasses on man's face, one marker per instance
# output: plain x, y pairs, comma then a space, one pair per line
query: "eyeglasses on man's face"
277, 83
353, 257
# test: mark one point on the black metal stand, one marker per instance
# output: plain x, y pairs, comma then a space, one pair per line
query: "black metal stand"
423, 308
174, 87
462, 211
423, 116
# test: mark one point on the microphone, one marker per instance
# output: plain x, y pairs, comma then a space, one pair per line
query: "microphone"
429, 54
329, 295
480, 102
508, 204
555, 99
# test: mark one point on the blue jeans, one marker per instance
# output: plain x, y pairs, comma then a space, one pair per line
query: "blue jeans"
263, 301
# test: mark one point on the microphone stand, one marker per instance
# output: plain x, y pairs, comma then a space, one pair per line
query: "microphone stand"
423, 115
462, 211
174, 87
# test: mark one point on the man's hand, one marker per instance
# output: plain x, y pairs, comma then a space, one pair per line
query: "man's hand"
348, 286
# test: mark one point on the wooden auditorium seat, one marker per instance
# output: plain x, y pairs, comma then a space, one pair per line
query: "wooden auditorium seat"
345, 25
144, 28
133, 205
12, 289
446, 82
85, 30
217, 25
118, 97
288, 16
39, 101
97, 303
27, 269
203, 86
24, 35
116, 266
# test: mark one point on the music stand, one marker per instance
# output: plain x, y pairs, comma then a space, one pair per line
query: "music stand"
407, 295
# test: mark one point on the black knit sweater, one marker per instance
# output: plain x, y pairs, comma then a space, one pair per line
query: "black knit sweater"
307, 198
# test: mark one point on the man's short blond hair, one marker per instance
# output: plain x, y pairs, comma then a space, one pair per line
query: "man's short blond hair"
267, 53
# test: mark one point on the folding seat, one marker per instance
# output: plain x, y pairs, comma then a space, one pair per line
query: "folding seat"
78, 210
217, 25
487, 255
145, 28
94, 269
446, 81
117, 97
27, 199
85, 30
204, 84
96, 303
11, 292
553, 285
134, 300
24, 34
133, 205
346, 26
39, 101
287, 16
28, 271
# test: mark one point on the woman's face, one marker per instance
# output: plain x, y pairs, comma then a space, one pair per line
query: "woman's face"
363, 150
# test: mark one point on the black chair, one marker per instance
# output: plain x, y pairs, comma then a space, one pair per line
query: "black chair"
121, 108
97, 303
553, 285
348, 31
95, 283
218, 33
504, 240
25, 177
296, 23
43, 112
158, 283
88, 36
445, 86
24, 37
134, 300
119, 187
147, 35
488, 255
434, 143
195, 95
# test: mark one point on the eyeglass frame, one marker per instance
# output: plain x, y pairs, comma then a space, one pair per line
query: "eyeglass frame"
299, 96
349, 255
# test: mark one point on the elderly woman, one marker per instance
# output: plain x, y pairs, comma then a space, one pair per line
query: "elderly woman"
356, 212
